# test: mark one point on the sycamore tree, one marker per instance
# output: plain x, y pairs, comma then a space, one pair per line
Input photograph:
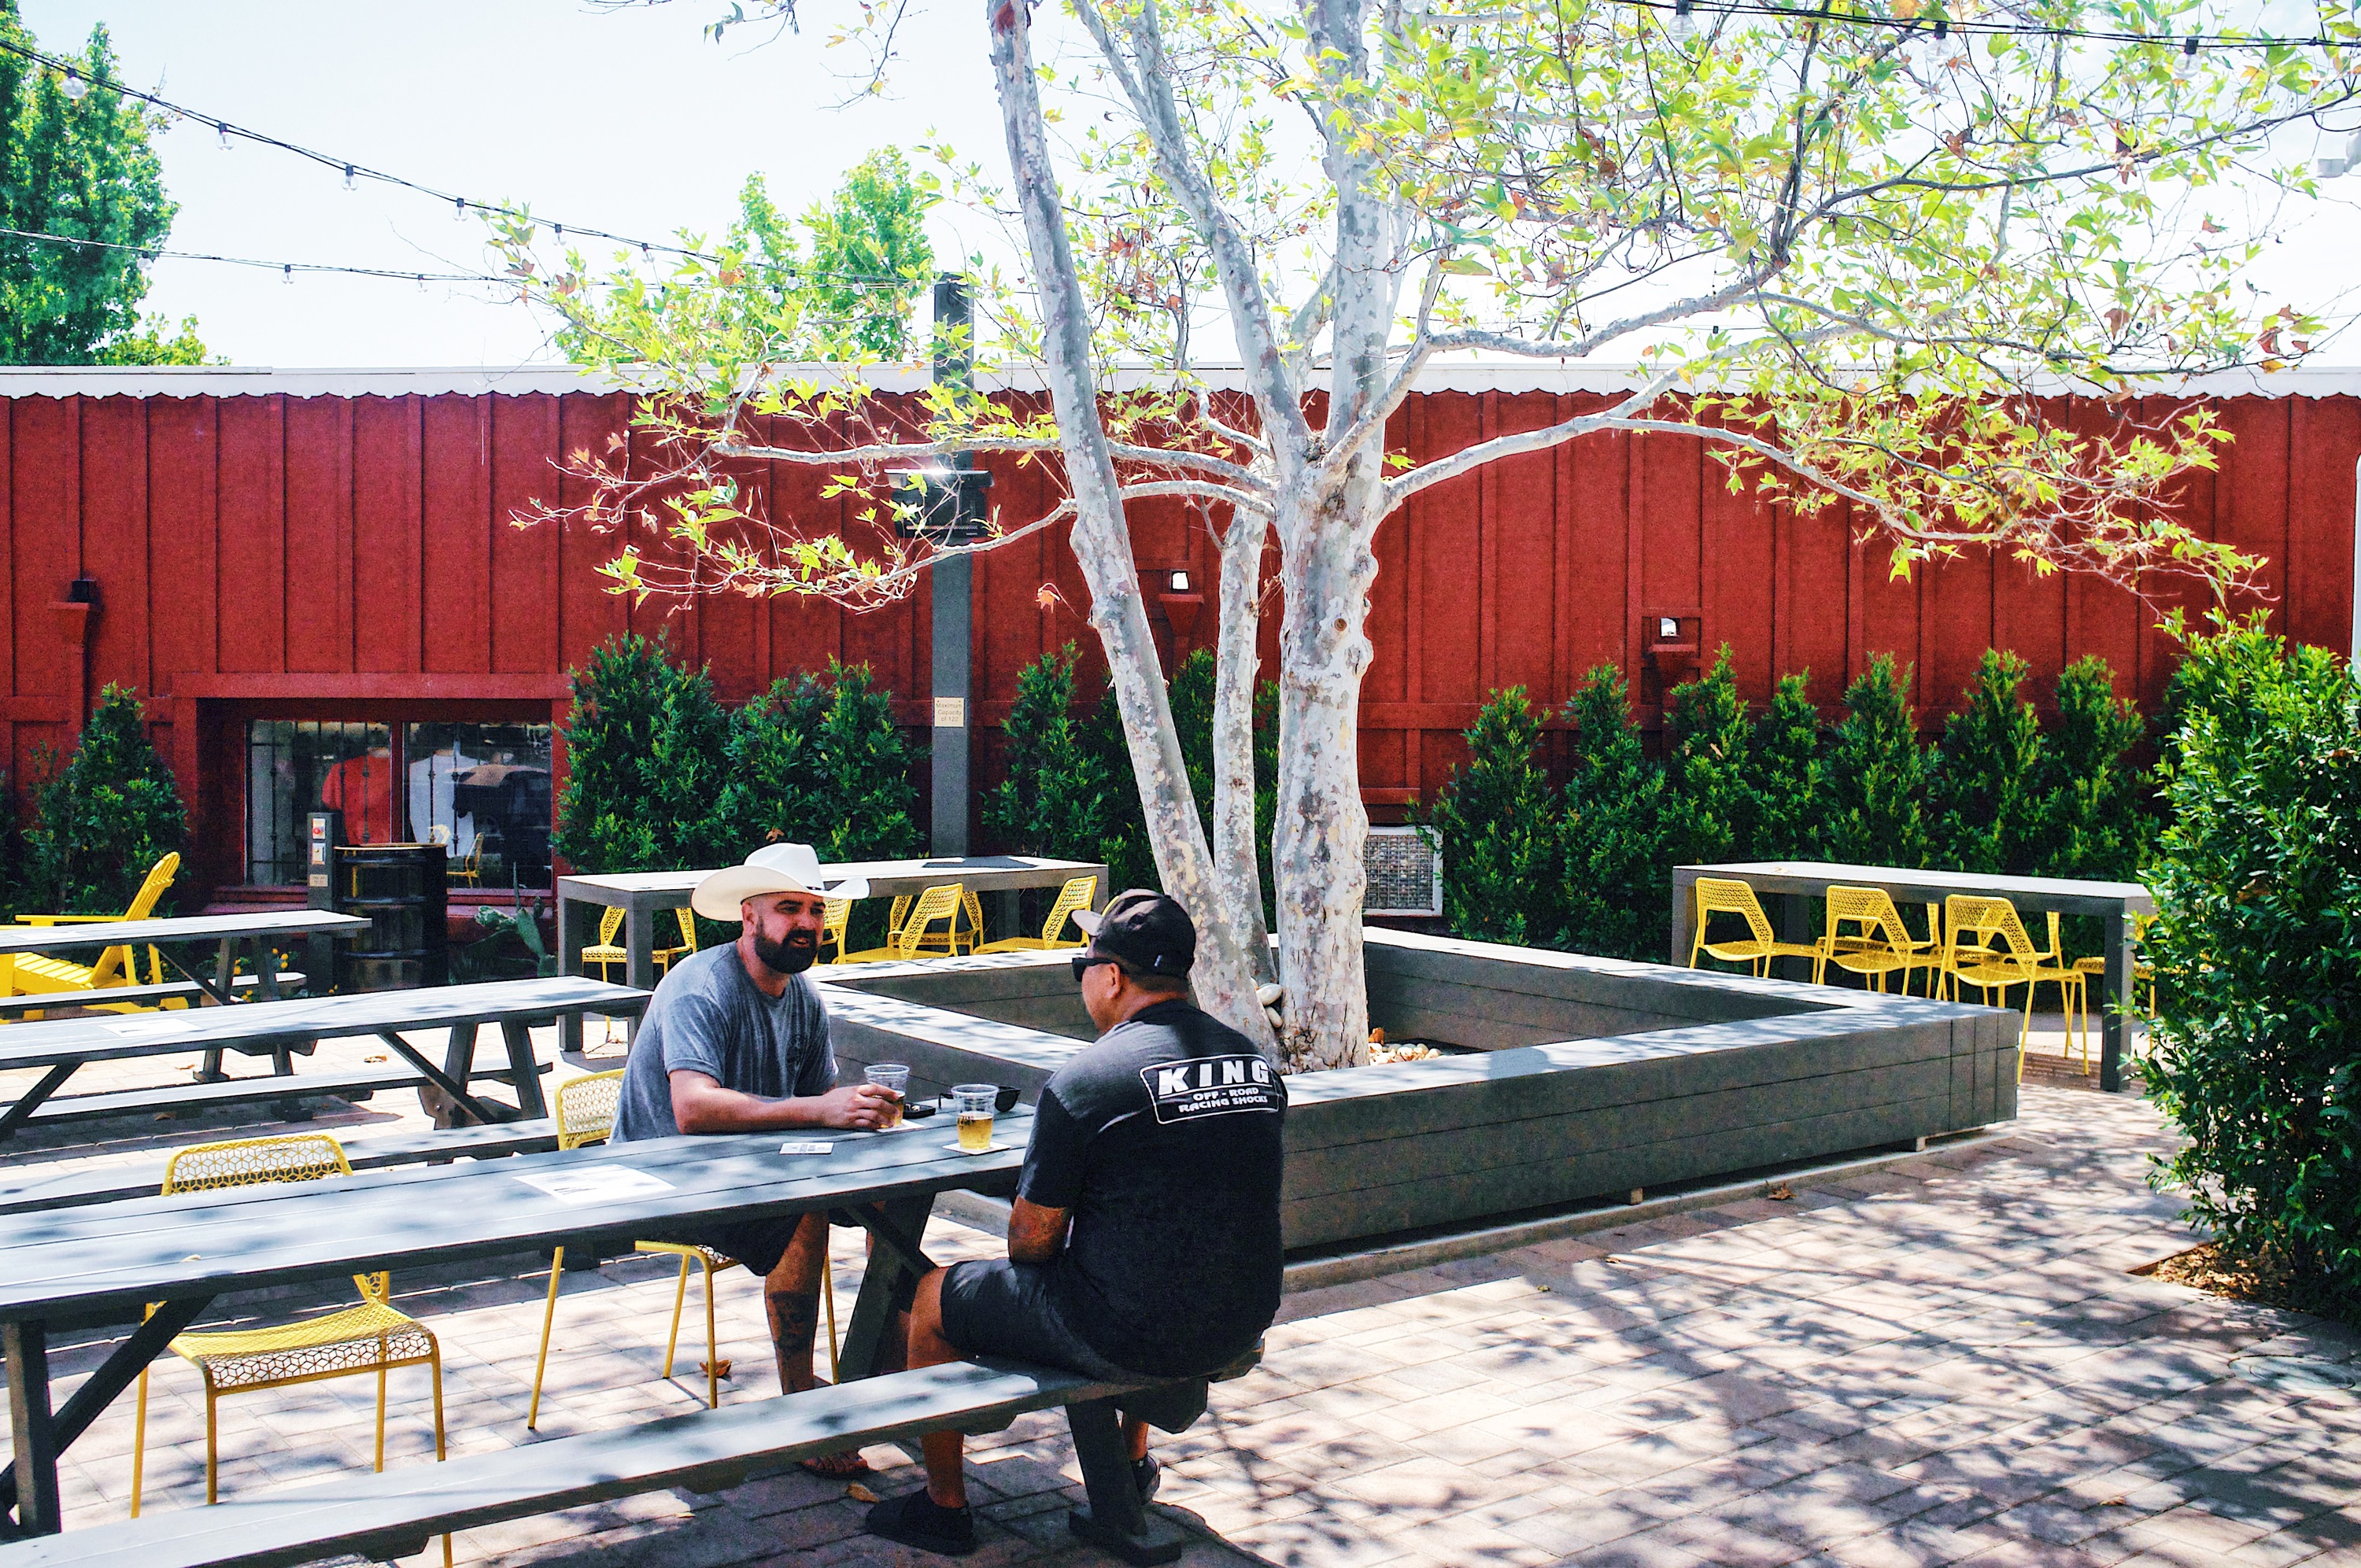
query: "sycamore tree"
1856, 252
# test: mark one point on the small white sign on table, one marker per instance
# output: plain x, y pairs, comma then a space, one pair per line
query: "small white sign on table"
596, 1183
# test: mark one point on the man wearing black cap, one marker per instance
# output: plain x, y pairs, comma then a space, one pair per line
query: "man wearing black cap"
1144, 1242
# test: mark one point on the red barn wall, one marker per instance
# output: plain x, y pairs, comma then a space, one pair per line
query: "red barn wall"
350, 556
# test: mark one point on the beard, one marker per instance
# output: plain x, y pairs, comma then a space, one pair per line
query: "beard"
794, 956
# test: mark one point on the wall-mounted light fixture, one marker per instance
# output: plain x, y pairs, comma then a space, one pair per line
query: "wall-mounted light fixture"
1179, 582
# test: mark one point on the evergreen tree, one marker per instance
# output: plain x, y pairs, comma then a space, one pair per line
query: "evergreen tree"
106, 817
1496, 823
1877, 775
79, 167
1788, 777
1987, 783
1057, 799
647, 754
2090, 788
821, 761
1618, 881
1709, 809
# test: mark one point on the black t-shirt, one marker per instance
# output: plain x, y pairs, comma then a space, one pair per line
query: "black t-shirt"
1163, 1141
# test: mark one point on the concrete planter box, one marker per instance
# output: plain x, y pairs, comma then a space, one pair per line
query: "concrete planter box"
1588, 1078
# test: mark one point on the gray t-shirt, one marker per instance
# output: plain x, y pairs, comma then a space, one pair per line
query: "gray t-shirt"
708, 1017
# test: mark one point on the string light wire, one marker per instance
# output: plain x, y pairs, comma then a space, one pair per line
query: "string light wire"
286, 269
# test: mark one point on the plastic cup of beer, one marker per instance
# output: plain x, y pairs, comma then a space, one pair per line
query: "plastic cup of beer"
974, 1102
894, 1076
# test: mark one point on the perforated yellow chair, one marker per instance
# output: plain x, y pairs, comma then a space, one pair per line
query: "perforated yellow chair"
1076, 894
607, 951
370, 1337
1866, 936
952, 938
905, 940
1725, 896
1986, 946
37, 973
665, 956
2143, 971
585, 1114
836, 914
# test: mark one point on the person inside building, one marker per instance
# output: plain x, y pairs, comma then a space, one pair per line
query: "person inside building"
735, 1041
1144, 1243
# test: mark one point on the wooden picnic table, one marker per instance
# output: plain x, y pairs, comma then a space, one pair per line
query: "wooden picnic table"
227, 933
103, 1265
1795, 882
279, 1029
641, 895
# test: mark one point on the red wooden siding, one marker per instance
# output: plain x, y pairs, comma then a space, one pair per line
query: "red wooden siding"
351, 555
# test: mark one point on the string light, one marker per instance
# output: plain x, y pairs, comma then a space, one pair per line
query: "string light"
1684, 26
286, 269
74, 86
1943, 27
349, 179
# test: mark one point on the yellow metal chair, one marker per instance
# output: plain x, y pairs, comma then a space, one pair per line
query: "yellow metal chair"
1879, 943
37, 973
585, 1114
906, 938
1986, 946
836, 914
665, 956
370, 1337
2094, 970
1075, 894
1725, 896
946, 941
607, 951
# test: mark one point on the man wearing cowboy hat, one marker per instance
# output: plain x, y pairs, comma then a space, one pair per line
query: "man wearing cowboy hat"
735, 1041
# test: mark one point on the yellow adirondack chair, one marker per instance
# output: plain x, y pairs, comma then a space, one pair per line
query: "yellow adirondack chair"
1075, 894
939, 903
37, 973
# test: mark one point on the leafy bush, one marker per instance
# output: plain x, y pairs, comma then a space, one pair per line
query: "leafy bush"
1709, 809
647, 752
1786, 778
1496, 823
820, 762
2258, 1055
1990, 806
1617, 878
2091, 789
1058, 799
1875, 774
106, 817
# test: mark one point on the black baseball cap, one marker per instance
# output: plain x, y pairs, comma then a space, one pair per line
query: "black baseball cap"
1147, 930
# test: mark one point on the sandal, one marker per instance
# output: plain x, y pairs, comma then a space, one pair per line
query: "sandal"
843, 1466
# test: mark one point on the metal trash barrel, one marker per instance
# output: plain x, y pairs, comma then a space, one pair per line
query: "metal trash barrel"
402, 890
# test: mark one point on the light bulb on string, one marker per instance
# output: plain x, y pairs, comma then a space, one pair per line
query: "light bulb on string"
222, 132
1684, 25
2185, 62
458, 209
287, 275
75, 86
349, 184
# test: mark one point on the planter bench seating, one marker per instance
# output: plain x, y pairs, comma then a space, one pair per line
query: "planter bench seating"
398, 1512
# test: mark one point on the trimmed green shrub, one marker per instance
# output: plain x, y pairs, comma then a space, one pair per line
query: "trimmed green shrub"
1057, 799
2258, 948
1495, 822
819, 761
1875, 774
647, 753
2091, 789
1618, 881
107, 815
1987, 783
1709, 809
1787, 777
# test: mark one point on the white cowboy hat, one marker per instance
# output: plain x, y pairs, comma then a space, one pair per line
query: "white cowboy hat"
773, 868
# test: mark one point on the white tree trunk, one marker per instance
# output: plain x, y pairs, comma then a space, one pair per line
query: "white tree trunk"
1224, 977
1322, 827
1237, 860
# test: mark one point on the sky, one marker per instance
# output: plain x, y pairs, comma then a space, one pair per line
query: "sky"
624, 117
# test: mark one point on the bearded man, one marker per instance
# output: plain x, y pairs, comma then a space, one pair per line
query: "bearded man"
735, 1041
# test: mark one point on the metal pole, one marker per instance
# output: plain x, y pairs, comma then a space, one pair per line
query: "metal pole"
953, 595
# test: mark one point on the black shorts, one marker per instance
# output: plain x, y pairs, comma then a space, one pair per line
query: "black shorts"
757, 1244
1002, 1309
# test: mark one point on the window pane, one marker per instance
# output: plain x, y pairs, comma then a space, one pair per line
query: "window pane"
486, 787
295, 767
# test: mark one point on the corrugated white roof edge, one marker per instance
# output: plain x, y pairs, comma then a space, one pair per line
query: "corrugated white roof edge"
1489, 376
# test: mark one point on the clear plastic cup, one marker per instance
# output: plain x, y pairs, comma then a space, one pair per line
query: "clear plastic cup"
894, 1076
975, 1104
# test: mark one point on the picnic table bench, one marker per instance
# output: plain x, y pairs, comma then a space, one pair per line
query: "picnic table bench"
103, 1264
60, 1048
253, 932
242, 988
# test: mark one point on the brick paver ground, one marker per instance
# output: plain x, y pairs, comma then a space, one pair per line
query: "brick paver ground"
1947, 1362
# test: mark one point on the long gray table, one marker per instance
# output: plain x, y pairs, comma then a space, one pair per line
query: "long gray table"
225, 933
1794, 882
60, 1047
641, 895
103, 1264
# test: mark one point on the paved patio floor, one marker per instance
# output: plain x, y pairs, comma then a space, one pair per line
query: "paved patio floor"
1947, 1362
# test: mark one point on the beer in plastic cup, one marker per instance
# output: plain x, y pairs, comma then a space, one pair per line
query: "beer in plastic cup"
894, 1076
974, 1102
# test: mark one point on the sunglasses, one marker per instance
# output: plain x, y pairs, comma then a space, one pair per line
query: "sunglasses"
1083, 962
